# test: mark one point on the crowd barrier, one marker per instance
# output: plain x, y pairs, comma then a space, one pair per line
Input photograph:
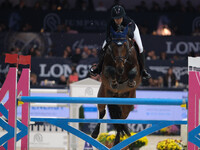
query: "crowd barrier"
20, 91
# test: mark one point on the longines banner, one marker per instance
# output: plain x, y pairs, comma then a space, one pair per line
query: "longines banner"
53, 68
56, 42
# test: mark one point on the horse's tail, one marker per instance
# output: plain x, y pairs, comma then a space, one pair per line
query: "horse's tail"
116, 113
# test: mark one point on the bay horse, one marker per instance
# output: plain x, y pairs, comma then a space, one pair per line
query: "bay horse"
121, 75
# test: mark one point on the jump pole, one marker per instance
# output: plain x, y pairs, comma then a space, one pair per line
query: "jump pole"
102, 100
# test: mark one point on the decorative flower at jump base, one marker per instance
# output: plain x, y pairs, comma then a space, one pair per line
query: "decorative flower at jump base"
108, 139
170, 144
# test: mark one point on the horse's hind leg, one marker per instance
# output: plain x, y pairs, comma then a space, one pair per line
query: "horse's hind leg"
117, 138
102, 113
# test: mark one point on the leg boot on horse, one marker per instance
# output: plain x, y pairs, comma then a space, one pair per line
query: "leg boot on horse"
102, 112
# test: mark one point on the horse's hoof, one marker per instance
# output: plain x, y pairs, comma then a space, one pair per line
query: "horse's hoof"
94, 135
132, 83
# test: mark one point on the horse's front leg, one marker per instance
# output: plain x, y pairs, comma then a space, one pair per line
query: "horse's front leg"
102, 112
131, 76
110, 74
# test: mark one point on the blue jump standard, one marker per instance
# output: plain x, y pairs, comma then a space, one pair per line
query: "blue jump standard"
103, 100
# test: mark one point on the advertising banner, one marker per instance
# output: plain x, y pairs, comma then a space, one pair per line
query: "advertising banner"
53, 68
180, 46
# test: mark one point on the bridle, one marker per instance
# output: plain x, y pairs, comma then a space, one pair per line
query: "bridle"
120, 42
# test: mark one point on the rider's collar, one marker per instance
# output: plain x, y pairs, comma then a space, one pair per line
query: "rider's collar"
119, 37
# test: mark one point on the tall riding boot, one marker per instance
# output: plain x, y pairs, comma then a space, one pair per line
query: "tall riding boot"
94, 71
145, 74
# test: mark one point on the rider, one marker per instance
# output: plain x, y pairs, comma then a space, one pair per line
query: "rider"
118, 22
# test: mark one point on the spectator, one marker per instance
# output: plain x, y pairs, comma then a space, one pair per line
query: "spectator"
38, 53
101, 7
33, 79
151, 55
69, 30
17, 50
189, 7
84, 6
85, 52
2, 27
21, 5
27, 27
167, 6
69, 50
37, 6
64, 4
94, 53
163, 56
32, 52
73, 77
151, 82
178, 7
49, 54
142, 7
169, 78
65, 54
62, 80
77, 56
160, 82
61, 28
155, 7
196, 32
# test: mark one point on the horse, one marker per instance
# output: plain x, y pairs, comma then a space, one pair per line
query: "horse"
121, 75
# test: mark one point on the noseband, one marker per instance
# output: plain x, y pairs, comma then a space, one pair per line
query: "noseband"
119, 42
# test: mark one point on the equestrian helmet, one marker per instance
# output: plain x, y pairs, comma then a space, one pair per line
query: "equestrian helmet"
117, 12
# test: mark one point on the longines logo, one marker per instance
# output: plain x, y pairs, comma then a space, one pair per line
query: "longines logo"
88, 91
56, 70
81, 43
38, 138
182, 47
196, 23
178, 71
51, 21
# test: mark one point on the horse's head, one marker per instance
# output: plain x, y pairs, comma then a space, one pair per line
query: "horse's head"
119, 51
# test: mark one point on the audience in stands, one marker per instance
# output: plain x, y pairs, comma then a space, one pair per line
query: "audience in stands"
33, 79
170, 78
83, 5
62, 80
77, 56
101, 7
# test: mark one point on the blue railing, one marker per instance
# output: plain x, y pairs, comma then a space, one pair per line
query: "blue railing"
63, 122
